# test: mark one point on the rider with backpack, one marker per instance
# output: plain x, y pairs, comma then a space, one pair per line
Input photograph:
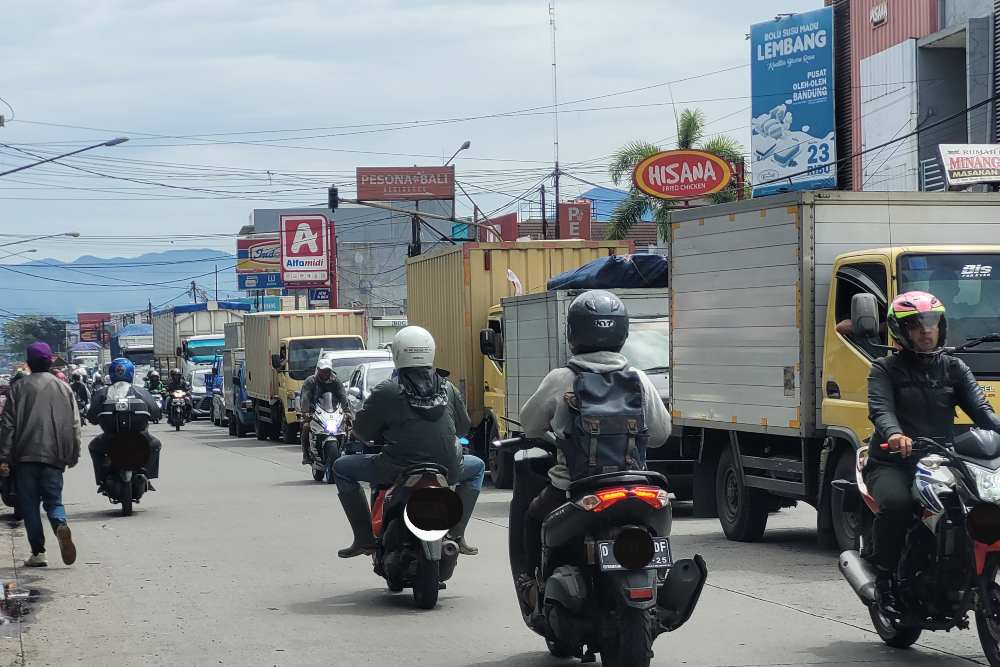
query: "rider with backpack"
601, 411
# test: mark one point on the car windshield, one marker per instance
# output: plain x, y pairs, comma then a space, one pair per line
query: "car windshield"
969, 287
377, 374
303, 354
648, 345
344, 367
198, 379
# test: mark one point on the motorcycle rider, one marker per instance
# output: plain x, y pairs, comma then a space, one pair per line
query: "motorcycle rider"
912, 393
178, 383
122, 370
322, 381
596, 329
97, 382
419, 415
80, 390
153, 383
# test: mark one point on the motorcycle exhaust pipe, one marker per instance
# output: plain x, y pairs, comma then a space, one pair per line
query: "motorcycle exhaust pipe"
449, 559
859, 574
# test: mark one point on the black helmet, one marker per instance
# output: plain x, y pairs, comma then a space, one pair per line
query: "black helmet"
175, 372
597, 322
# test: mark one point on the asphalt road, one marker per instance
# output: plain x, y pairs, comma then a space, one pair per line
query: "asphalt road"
232, 561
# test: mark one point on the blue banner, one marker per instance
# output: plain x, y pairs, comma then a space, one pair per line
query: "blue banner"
793, 137
259, 280
320, 294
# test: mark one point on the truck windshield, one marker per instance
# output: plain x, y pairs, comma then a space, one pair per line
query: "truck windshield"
969, 287
204, 351
303, 354
648, 344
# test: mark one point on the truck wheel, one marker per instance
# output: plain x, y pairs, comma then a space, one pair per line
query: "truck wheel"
288, 433
847, 526
241, 430
742, 510
262, 429
501, 463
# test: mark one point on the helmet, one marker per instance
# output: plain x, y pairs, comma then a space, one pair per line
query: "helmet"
122, 370
913, 307
175, 372
325, 365
77, 375
153, 375
98, 379
597, 321
413, 347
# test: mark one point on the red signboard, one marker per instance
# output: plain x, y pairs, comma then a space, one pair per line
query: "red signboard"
92, 326
305, 250
682, 174
574, 220
405, 183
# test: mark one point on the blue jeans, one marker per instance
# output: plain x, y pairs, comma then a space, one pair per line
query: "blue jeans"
38, 483
348, 471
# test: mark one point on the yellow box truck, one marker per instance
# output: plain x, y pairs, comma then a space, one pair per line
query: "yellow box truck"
281, 351
452, 293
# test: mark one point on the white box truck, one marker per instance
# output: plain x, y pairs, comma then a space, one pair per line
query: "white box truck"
191, 335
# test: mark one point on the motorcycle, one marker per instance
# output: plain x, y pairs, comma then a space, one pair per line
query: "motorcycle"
951, 562
158, 399
125, 419
176, 416
607, 579
410, 519
327, 434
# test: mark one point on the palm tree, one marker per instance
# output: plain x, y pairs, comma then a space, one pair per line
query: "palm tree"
690, 132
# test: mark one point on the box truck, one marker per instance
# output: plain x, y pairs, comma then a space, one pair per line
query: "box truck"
281, 350
762, 377
191, 335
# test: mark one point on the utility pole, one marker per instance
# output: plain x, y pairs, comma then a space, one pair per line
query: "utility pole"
216, 282
555, 109
149, 309
194, 292
545, 230
415, 230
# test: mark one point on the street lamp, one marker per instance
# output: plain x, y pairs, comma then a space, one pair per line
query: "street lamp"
39, 238
461, 148
109, 142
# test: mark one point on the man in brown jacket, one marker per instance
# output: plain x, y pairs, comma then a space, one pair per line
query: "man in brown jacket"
39, 437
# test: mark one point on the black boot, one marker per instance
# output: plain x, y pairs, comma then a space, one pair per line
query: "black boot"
885, 595
360, 518
468, 496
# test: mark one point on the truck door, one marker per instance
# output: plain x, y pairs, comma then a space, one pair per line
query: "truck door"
846, 358
494, 387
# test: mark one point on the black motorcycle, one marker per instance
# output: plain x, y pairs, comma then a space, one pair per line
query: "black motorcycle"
124, 420
410, 519
177, 414
607, 579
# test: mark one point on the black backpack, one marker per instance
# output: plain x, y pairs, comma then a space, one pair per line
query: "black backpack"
609, 428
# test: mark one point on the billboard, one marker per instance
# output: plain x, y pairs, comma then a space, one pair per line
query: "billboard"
574, 220
793, 138
682, 174
305, 250
968, 164
92, 326
259, 280
259, 253
405, 183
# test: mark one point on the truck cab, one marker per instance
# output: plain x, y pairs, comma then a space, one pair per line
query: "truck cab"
200, 351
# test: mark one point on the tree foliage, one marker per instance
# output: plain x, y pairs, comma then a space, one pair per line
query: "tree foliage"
690, 134
21, 331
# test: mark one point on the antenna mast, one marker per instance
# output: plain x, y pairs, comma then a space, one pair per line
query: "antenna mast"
555, 110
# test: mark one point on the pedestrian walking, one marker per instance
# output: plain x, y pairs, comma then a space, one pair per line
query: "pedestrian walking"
39, 438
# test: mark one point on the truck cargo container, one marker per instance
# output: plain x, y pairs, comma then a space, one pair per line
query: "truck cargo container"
281, 351
451, 291
174, 327
762, 377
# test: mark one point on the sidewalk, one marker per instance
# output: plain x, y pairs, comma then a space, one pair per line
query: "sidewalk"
12, 548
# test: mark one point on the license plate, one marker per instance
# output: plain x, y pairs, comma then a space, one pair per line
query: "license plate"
661, 555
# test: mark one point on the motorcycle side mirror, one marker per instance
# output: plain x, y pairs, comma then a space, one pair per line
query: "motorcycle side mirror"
864, 316
275, 362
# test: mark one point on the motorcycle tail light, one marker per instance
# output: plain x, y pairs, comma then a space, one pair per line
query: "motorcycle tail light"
653, 496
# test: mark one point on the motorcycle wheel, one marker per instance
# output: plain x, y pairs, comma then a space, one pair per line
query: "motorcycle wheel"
632, 639
394, 586
558, 649
125, 493
177, 427
425, 585
318, 475
893, 635
501, 464
988, 628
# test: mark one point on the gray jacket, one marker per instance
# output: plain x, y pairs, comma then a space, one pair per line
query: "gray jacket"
40, 423
419, 416
546, 411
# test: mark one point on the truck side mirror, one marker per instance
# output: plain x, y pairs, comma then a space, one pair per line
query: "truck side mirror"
864, 316
488, 342
180, 351
275, 362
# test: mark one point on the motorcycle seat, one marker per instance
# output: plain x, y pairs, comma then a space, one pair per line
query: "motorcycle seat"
617, 479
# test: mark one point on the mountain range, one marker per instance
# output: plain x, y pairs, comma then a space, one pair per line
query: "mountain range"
114, 284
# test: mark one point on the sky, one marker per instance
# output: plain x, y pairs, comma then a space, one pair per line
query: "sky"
234, 105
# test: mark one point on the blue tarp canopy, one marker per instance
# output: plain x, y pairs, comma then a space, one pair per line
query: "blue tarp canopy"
86, 347
136, 330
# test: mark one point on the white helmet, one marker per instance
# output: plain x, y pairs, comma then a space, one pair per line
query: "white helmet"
413, 347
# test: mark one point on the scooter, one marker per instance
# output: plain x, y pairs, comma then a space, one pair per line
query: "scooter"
607, 580
327, 435
951, 562
125, 420
177, 416
410, 519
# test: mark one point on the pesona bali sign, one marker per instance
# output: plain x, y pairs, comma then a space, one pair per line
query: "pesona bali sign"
682, 174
